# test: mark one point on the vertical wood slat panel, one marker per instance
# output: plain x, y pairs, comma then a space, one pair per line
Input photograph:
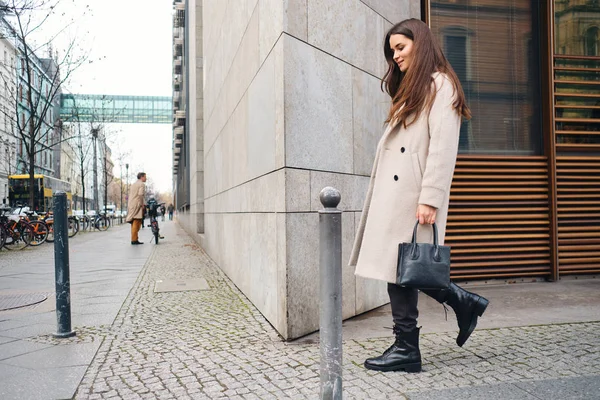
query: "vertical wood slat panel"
498, 222
578, 214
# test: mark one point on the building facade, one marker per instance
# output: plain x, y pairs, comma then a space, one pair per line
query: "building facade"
8, 138
276, 99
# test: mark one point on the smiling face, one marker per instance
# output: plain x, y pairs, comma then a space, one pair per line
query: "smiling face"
402, 47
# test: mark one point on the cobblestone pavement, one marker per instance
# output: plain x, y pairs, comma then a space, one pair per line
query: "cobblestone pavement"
214, 344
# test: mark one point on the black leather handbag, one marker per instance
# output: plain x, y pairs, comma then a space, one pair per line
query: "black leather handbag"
423, 265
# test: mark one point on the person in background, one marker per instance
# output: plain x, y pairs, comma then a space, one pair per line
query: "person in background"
163, 211
171, 208
136, 207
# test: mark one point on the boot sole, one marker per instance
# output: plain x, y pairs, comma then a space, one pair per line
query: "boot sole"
479, 309
414, 367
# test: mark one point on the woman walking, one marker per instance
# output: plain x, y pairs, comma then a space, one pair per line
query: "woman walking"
411, 179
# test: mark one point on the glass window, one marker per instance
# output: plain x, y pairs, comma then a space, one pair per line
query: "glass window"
493, 46
577, 73
591, 41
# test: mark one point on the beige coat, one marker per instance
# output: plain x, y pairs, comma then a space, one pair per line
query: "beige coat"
412, 166
135, 205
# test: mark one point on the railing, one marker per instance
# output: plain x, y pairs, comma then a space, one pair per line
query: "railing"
577, 103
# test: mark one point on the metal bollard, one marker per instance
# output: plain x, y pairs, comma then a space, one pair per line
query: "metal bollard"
330, 227
61, 266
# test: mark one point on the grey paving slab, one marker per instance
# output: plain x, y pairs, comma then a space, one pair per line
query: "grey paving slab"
19, 348
506, 391
56, 383
4, 339
30, 330
56, 356
578, 388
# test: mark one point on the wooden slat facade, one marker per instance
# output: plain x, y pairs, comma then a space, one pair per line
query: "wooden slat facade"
498, 223
578, 187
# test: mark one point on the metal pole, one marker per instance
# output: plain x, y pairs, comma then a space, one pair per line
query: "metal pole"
61, 266
330, 336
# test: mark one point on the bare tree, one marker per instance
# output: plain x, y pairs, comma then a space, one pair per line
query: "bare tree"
39, 81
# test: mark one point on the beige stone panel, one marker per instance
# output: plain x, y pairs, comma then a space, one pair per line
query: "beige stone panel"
261, 142
318, 109
370, 293
271, 24
369, 111
348, 277
303, 275
349, 30
262, 240
302, 236
279, 94
353, 189
393, 11
296, 18
281, 324
297, 190
263, 194
247, 245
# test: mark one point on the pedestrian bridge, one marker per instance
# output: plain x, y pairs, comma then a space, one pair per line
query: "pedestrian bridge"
116, 109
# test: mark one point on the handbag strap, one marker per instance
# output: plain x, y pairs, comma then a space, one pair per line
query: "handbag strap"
435, 234
436, 253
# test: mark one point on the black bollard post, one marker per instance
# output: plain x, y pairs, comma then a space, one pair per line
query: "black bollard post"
330, 335
61, 266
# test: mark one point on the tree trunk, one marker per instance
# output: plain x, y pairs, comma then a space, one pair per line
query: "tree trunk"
83, 187
31, 178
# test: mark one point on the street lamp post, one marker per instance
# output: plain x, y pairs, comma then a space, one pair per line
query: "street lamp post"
121, 184
127, 180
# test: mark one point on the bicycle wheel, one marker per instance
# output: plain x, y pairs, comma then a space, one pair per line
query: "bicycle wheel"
73, 226
102, 223
40, 232
19, 236
2, 236
85, 222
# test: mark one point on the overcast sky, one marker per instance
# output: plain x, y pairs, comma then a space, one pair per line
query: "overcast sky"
132, 39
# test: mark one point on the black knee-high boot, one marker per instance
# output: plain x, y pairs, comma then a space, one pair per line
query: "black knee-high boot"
404, 354
466, 305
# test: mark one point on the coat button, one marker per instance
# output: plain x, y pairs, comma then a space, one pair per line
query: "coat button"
402, 149
395, 177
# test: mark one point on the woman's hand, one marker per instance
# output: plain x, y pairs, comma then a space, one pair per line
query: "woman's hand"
426, 214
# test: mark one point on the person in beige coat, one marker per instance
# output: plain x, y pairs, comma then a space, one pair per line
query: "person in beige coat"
135, 207
410, 181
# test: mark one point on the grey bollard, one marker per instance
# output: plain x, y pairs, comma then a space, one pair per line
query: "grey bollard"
61, 266
330, 227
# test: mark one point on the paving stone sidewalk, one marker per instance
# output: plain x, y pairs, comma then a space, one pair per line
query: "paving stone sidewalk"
214, 344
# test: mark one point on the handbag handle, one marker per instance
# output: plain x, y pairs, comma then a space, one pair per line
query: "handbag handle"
436, 253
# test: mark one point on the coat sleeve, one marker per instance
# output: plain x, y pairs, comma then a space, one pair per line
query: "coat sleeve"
141, 194
444, 131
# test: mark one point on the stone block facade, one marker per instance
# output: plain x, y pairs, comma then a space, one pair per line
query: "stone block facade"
290, 103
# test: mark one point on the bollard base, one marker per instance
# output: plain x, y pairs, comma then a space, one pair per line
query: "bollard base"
59, 335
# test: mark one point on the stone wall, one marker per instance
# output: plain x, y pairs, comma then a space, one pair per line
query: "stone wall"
291, 104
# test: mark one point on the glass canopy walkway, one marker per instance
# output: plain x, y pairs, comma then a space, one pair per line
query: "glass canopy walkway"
116, 109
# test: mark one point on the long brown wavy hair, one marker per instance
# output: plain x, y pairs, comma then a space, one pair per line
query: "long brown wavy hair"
413, 89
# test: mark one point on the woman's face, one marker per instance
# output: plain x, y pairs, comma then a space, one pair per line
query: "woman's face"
402, 47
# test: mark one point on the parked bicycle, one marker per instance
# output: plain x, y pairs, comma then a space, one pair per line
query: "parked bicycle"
73, 225
40, 229
15, 232
97, 221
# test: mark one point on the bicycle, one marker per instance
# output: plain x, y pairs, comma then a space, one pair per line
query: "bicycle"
16, 233
153, 214
40, 229
73, 225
